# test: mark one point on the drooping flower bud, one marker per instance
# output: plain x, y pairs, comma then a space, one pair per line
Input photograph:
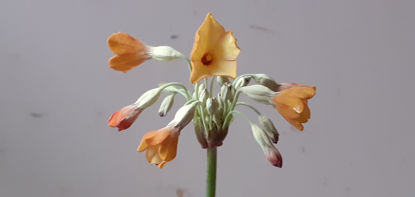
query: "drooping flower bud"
166, 105
164, 53
125, 117
184, 115
269, 128
266, 81
148, 98
259, 93
272, 153
200, 132
242, 81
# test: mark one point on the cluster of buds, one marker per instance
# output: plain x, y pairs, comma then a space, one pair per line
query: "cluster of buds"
213, 58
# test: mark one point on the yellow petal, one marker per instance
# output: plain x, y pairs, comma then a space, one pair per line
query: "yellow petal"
122, 43
300, 91
126, 62
206, 37
216, 68
227, 47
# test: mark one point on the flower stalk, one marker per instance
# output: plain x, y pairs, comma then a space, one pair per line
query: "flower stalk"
211, 172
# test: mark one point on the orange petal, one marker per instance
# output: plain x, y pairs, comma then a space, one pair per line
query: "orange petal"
168, 149
122, 43
126, 62
153, 138
300, 91
227, 47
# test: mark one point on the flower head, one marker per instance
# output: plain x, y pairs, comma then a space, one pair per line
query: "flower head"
124, 117
129, 51
292, 103
160, 145
214, 51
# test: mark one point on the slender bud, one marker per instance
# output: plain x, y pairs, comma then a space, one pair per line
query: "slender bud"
242, 81
148, 98
184, 115
203, 94
166, 105
212, 105
266, 81
164, 53
222, 80
259, 93
272, 153
269, 128
200, 133
226, 91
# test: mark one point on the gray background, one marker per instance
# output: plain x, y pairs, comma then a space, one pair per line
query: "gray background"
57, 91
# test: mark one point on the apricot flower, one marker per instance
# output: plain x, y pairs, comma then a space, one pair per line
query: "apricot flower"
214, 51
129, 51
124, 117
292, 104
160, 145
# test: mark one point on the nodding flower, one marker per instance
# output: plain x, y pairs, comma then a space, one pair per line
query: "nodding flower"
160, 145
292, 104
130, 52
125, 117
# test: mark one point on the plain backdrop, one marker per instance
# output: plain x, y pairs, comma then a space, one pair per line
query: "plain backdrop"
57, 92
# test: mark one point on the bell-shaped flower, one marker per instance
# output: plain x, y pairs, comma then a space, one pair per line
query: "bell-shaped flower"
292, 104
214, 51
123, 118
160, 145
129, 51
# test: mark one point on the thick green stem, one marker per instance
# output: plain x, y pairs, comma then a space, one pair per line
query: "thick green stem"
211, 172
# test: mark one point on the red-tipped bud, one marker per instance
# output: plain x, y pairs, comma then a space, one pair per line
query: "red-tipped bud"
125, 117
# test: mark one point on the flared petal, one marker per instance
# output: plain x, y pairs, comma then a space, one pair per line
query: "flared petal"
126, 62
227, 47
121, 43
153, 138
168, 151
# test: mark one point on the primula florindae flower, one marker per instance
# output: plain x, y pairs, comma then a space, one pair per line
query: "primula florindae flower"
160, 145
124, 117
293, 105
214, 51
129, 51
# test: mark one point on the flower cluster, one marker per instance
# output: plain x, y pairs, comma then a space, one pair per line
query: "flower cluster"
213, 58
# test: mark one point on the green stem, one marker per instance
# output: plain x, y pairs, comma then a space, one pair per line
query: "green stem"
211, 172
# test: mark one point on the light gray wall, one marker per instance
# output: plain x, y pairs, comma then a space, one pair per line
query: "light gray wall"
56, 93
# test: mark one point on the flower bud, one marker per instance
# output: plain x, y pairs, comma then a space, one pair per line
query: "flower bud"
269, 128
164, 53
203, 94
148, 98
226, 92
259, 93
166, 105
266, 81
272, 153
184, 115
242, 81
222, 80
200, 133
212, 105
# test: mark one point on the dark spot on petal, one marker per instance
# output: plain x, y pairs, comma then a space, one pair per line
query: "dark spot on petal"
207, 59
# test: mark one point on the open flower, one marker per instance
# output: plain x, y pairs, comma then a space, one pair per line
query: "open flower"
160, 145
214, 51
129, 51
124, 117
293, 105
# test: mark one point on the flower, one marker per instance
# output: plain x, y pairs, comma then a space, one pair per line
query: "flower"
160, 145
124, 117
292, 104
129, 51
214, 51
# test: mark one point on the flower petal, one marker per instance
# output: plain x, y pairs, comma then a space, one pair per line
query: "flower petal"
126, 62
168, 150
152, 138
217, 68
121, 43
228, 49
